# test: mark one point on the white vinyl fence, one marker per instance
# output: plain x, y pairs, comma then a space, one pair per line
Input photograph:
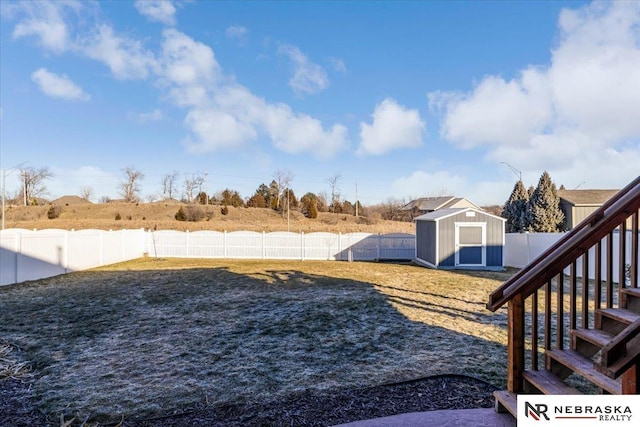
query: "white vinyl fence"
30, 255
280, 245
521, 249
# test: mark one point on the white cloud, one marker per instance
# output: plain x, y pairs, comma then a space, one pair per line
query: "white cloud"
224, 114
162, 11
43, 20
125, 57
153, 116
188, 68
58, 86
393, 127
237, 33
308, 77
246, 116
496, 112
338, 64
220, 113
216, 129
424, 184
568, 116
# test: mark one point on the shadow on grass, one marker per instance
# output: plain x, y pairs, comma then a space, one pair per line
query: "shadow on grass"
134, 343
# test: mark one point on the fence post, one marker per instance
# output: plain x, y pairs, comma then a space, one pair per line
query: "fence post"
124, 244
101, 248
339, 247
302, 245
264, 245
187, 244
18, 255
67, 245
378, 248
224, 243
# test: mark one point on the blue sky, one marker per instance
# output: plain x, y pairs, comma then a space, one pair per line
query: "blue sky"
407, 99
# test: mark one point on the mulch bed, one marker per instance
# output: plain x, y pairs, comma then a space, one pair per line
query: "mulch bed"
311, 408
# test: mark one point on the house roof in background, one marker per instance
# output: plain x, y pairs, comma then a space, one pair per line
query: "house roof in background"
428, 203
586, 197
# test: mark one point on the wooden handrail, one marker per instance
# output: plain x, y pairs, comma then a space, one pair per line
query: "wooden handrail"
570, 246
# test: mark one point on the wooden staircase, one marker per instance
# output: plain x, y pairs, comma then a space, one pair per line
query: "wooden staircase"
567, 335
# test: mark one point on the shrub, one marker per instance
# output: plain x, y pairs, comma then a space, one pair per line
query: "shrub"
192, 213
224, 210
54, 212
118, 217
312, 211
180, 216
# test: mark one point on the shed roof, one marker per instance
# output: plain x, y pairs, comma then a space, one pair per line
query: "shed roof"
445, 213
586, 197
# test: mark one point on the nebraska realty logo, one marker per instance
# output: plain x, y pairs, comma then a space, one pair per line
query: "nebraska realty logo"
578, 410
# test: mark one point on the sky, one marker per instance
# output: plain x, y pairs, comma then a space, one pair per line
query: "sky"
399, 99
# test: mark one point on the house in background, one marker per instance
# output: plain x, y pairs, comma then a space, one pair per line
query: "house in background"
579, 204
460, 238
425, 205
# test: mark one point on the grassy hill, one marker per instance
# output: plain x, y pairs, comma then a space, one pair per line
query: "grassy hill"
161, 216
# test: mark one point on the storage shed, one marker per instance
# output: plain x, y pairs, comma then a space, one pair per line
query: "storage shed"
462, 238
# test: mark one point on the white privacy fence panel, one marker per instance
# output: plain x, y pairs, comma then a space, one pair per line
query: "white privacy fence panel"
280, 245
520, 249
321, 246
30, 255
244, 244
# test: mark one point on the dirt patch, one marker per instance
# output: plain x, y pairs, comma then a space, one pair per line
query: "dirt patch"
302, 409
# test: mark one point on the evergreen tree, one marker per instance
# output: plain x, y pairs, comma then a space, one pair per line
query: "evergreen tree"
257, 201
313, 211
515, 209
309, 205
545, 215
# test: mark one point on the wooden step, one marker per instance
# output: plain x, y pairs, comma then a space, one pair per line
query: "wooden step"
589, 341
614, 320
630, 299
583, 367
547, 383
506, 402
621, 365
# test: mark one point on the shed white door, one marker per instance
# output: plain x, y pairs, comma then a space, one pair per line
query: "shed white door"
471, 244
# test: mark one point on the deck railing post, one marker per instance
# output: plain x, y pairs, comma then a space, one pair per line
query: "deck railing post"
515, 344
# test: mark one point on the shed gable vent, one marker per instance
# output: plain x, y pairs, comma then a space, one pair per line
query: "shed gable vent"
470, 214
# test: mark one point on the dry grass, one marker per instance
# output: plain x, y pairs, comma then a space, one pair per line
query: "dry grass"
10, 366
155, 336
160, 216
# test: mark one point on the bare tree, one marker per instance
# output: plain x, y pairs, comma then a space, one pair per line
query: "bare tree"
33, 183
333, 182
130, 186
86, 192
190, 186
282, 179
169, 185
